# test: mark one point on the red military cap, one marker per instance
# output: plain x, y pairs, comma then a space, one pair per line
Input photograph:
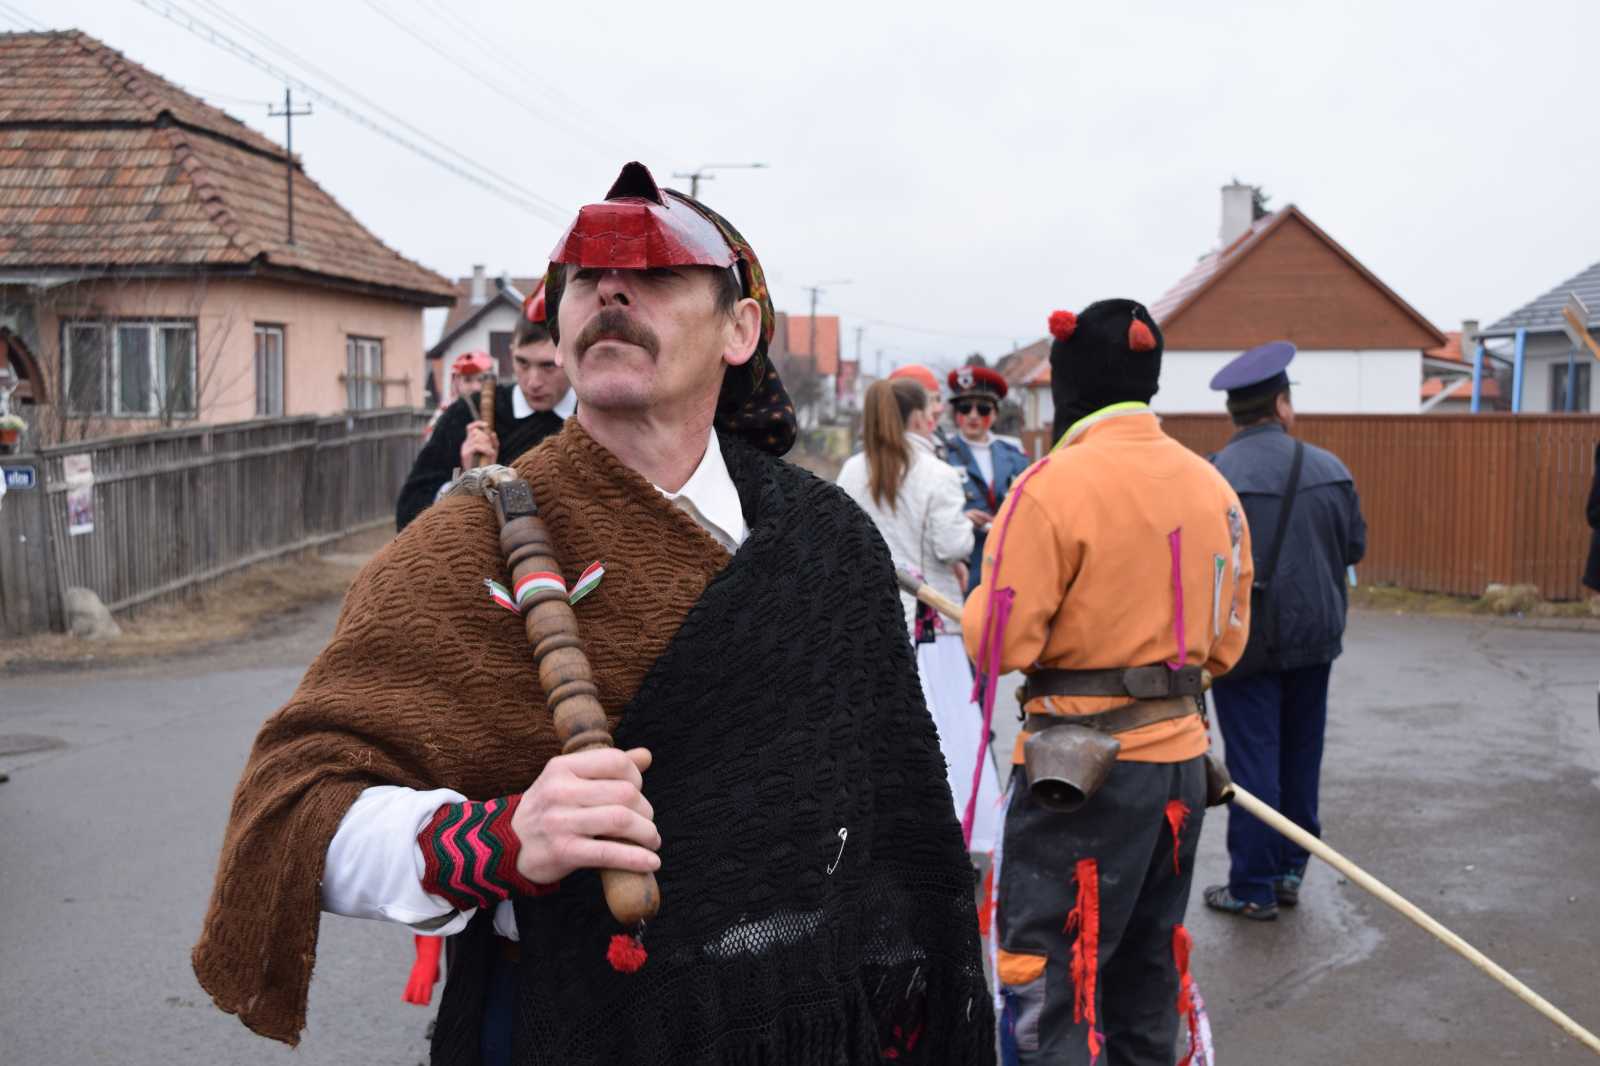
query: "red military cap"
977, 381
471, 363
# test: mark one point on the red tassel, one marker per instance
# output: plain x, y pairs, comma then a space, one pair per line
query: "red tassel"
1062, 324
1177, 815
1085, 918
424, 971
1182, 944
1140, 339
626, 954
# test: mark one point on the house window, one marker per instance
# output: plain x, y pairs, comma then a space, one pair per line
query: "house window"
130, 369
500, 352
269, 370
363, 373
1579, 390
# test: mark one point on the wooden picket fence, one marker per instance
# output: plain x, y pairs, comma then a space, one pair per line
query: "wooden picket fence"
1452, 502
180, 507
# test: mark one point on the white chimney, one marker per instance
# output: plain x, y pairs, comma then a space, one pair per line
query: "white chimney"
479, 285
1238, 211
1469, 338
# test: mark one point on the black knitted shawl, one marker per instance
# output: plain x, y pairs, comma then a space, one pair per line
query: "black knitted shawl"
818, 904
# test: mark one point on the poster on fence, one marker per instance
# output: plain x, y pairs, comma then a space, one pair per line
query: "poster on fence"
78, 472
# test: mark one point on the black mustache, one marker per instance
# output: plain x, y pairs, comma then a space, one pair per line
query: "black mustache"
614, 324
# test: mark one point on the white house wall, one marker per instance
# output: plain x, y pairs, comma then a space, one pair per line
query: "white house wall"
1377, 381
500, 319
1543, 353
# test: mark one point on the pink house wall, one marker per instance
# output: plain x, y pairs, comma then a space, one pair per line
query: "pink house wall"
316, 322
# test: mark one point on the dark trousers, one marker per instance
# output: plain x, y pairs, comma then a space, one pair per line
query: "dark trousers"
1142, 872
1272, 724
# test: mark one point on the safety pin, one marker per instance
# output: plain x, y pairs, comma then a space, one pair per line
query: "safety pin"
844, 835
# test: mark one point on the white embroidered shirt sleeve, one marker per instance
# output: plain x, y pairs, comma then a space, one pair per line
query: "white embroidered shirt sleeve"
374, 864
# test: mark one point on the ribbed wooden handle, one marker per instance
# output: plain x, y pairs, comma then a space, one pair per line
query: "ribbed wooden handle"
486, 414
568, 684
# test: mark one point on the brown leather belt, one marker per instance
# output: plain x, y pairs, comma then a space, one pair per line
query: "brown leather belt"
1120, 719
1134, 682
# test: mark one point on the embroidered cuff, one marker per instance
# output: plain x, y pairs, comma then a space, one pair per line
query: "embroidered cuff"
469, 854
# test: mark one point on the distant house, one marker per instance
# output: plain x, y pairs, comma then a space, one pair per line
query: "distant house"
1027, 374
1447, 378
147, 271
812, 366
483, 319
1277, 275
1549, 373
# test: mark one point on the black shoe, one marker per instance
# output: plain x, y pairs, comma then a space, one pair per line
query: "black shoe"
1287, 887
1218, 898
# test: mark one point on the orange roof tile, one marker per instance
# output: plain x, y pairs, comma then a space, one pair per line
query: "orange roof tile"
144, 175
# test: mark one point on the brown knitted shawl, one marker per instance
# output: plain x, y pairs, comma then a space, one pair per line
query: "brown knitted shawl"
428, 684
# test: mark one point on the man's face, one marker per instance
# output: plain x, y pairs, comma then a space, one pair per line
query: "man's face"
468, 383
652, 340
935, 406
539, 374
974, 416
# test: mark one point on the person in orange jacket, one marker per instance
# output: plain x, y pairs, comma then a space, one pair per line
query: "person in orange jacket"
1117, 574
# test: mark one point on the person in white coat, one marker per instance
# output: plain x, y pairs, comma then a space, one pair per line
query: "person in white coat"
919, 505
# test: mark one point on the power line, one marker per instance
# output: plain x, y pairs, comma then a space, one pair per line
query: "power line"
21, 17
508, 93
868, 320
568, 106
291, 56
527, 200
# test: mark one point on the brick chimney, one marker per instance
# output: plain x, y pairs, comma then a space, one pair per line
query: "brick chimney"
1238, 211
479, 285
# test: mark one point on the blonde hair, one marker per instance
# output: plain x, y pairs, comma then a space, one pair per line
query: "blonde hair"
888, 405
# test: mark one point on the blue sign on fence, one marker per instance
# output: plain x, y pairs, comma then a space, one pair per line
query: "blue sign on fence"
21, 477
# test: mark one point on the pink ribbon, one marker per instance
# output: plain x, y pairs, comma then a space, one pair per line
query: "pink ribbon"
997, 612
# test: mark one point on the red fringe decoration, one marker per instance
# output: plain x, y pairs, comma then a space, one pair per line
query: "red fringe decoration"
1177, 815
424, 971
1062, 324
1140, 339
626, 954
1182, 945
1085, 918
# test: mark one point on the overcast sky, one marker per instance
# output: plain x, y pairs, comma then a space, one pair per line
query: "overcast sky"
967, 168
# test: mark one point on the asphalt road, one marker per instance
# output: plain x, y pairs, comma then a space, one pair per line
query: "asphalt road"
1463, 760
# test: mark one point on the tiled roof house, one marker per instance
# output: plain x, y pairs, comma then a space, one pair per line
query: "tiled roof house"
1549, 373
1278, 276
146, 267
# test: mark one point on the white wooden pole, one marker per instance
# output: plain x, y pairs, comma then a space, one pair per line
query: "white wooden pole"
1242, 798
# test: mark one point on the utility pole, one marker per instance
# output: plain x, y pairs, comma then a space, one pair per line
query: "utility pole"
859, 331
697, 176
815, 291
289, 114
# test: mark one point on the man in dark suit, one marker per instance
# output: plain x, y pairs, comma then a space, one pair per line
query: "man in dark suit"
525, 413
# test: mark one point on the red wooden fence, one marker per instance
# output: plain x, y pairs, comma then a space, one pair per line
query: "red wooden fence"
1453, 502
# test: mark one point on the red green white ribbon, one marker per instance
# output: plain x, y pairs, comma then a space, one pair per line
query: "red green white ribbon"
587, 581
517, 601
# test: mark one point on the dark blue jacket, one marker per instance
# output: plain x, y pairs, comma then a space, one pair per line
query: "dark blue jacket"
1309, 594
1009, 461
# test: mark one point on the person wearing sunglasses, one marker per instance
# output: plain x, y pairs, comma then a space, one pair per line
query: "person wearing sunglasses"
989, 463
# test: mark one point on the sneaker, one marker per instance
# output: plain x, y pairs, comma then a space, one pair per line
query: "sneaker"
1218, 898
1287, 887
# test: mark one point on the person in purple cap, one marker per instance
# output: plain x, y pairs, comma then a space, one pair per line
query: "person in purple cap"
1306, 529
